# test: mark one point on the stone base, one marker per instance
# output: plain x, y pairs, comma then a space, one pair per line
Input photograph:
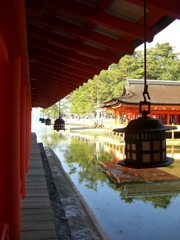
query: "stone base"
165, 163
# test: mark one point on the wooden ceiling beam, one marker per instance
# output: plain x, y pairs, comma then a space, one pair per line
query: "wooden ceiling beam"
49, 88
66, 75
55, 70
37, 68
102, 18
32, 56
56, 81
71, 64
85, 34
104, 4
54, 98
167, 7
71, 44
34, 8
67, 61
70, 54
49, 92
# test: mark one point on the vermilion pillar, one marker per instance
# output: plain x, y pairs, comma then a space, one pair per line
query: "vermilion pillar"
23, 141
28, 121
115, 118
168, 119
118, 117
10, 196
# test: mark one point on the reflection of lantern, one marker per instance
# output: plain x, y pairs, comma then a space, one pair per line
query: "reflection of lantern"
59, 124
145, 143
48, 121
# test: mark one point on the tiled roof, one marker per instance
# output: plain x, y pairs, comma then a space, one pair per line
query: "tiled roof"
160, 91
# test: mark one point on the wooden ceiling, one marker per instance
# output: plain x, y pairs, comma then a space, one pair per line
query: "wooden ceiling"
71, 41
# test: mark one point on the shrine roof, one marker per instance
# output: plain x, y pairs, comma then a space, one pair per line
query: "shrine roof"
161, 92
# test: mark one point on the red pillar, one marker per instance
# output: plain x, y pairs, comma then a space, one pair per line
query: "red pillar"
23, 141
28, 121
168, 119
118, 117
115, 120
10, 196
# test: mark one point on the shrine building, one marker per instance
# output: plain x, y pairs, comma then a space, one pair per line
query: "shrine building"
164, 98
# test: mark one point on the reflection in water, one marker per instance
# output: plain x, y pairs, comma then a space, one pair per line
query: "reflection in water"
141, 208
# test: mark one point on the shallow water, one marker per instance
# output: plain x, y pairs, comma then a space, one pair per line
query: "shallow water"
126, 210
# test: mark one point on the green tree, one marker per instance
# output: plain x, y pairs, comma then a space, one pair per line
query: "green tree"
161, 63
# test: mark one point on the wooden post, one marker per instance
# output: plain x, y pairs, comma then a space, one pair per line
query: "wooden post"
168, 119
23, 141
10, 198
28, 122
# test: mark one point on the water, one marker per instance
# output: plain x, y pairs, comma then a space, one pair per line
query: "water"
123, 210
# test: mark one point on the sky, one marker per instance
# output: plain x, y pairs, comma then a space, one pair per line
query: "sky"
170, 34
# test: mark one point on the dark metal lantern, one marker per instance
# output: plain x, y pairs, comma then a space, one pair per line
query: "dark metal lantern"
145, 143
145, 137
48, 121
43, 120
59, 124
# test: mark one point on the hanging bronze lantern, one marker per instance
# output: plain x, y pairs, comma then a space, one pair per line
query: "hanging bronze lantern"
145, 137
48, 121
43, 120
145, 143
59, 124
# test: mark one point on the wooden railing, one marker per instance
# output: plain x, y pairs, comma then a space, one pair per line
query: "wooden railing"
109, 126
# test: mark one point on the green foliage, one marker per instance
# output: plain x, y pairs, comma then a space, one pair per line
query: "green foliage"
53, 111
162, 63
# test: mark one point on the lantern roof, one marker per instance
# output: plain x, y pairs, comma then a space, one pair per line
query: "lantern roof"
145, 124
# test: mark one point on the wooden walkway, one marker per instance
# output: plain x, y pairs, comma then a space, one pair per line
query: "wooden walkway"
36, 214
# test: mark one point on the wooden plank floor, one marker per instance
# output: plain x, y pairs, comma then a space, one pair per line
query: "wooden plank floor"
36, 214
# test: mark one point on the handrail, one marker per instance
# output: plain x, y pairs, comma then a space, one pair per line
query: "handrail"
4, 234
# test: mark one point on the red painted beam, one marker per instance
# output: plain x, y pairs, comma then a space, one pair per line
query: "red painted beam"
85, 34
4, 55
51, 82
33, 56
52, 93
44, 72
104, 19
69, 63
169, 8
76, 56
42, 94
49, 90
72, 44
103, 5
34, 8
53, 70
66, 61
153, 17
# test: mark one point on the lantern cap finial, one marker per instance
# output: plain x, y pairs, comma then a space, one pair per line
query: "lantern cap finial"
144, 113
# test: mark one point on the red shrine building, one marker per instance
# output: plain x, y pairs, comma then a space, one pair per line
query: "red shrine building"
164, 98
